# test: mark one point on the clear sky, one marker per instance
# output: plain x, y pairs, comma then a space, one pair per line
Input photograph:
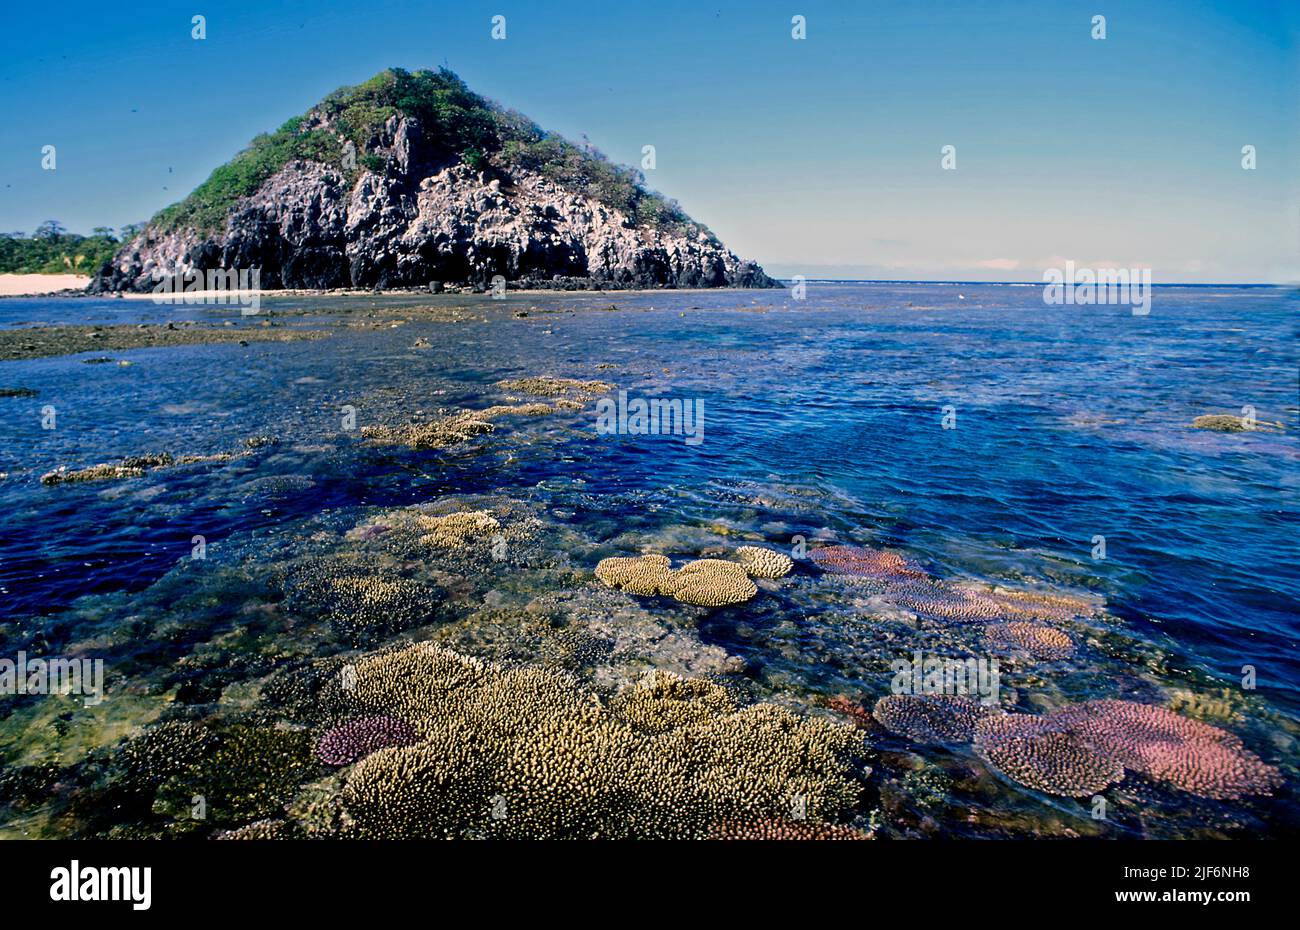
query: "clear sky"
819, 156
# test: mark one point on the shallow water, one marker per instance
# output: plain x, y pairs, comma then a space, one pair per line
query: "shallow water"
823, 421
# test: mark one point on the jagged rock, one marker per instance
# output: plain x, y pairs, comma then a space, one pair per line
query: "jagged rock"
414, 215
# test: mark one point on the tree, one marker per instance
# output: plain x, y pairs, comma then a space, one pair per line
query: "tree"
50, 229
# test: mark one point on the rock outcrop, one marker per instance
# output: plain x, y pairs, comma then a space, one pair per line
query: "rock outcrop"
415, 215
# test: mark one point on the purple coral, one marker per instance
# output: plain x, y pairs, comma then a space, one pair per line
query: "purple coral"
878, 564
944, 601
357, 739
931, 718
1044, 755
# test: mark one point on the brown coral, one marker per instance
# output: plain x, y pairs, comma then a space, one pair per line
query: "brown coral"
711, 583
526, 753
703, 582
1041, 642
638, 574
548, 386
784, 830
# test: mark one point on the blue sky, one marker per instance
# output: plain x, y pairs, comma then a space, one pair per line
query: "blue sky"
819, 156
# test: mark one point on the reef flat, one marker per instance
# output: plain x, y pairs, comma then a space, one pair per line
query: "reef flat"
45, 341
399, 583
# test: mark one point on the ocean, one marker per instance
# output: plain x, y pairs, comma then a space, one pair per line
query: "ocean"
986, 438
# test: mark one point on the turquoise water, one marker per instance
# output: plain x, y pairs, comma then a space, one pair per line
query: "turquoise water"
824, 421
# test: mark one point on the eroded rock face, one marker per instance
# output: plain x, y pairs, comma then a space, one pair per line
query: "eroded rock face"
420, 220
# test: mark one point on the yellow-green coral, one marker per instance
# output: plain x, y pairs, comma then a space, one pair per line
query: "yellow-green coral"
435, 434
1226, 423
527, 753
712, 583
704, 582
638, 574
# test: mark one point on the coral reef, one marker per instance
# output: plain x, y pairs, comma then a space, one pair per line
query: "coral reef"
106, 471
944, 602
449, 430
524, 752
760, 562
1083, 747
711, 583
703, 582
361, 605
1199, 758
784, 830
1226, 423
662, 701
548, 386
269, 829
859, 562
1044, 755
1041, 642
931, 718
356, 739
638, 574
252, 773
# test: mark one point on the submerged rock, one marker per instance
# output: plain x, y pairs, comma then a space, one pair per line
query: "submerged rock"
1226, 423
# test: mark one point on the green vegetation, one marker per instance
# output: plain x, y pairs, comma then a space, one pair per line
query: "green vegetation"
458, 123
54, 250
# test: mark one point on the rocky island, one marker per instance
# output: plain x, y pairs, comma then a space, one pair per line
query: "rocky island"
411, 180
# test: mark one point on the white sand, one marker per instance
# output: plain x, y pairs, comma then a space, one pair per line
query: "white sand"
13, 285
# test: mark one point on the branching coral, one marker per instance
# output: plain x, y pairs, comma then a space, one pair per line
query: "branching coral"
524, 752
662, 702
253, 772
359, 605
784, 830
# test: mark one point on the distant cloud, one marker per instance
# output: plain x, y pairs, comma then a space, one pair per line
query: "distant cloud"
999, 264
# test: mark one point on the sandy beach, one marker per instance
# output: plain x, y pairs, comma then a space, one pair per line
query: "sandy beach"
20, 285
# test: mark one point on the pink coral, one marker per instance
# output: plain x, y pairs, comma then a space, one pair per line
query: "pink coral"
1044, 755
860, 562
357, 739
1194, 756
